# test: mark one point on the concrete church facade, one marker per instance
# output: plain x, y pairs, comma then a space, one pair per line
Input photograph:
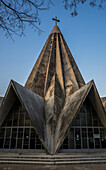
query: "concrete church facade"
56, 120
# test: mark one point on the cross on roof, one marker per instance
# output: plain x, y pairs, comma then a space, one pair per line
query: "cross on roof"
56, 20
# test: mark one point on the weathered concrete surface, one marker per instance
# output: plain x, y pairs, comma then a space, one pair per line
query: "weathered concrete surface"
51, 167
103, 99
34, 105
70, 109
55, 58
36, 80
77, 73
55, 29
7, 102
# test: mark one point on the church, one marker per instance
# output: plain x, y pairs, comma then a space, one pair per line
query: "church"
56, 120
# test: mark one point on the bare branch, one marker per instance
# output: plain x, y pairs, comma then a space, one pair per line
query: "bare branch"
14, 15
73, 5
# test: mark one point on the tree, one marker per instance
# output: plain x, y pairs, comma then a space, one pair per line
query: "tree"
14, 14
72, 5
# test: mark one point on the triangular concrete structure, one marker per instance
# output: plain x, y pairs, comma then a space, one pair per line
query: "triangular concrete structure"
54, 93
73, 105
30, 101
55, 58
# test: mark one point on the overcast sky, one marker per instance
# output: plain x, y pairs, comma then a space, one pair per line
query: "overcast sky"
84, 34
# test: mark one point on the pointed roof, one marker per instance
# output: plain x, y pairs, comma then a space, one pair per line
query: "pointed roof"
55, 29
55, 59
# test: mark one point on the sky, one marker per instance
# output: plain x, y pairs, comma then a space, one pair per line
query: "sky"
84, 34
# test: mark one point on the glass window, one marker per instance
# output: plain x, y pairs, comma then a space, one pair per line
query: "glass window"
9, 119
77, 138
13, 138
90, 138
103, 137
26, 138
15, 120
27, 120
18, 137
21, 120
20, 133
2, 130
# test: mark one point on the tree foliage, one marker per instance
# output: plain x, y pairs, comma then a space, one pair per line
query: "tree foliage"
14, 14
73, 5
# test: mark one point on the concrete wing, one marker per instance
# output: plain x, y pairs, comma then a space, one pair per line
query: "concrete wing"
72, 106
103, 99
33, 103
8, 100
97, 103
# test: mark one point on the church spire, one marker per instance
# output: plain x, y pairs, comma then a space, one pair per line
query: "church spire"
56, 60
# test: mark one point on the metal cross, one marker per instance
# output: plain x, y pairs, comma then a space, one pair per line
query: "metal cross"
56, 20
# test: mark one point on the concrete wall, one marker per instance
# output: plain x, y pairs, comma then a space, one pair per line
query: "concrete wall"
104, 102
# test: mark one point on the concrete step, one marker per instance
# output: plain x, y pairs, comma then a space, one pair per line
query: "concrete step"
52, 159
53, 156
48, 160
52, 163
61, 159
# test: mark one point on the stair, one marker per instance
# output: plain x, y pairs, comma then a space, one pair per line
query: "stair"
52, 159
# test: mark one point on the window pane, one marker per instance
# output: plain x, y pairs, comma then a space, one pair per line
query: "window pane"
77, 138
2, 130
90, 137
20, 133
89, 119
27, 120
71, 139
7, 142
9, 120
15, 120
26, 138
21, 120
103, 137
32, 143
13, 138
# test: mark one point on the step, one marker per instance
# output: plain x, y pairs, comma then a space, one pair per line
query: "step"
52, 159
48, 160
53, 156
52, 163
